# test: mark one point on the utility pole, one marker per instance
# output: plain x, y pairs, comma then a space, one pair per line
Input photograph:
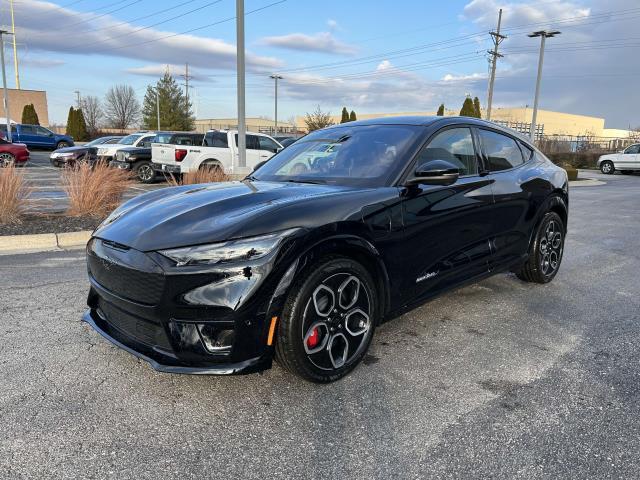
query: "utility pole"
276, 77
543, 34
78, 100
186, 77
15, 48
4, 85
242, 128
158, 107
497, 40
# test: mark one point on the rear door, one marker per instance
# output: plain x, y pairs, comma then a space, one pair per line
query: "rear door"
29, 136
513, 192
447, 228
253, 150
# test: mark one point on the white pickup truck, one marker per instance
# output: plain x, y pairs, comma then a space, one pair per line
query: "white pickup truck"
219, 148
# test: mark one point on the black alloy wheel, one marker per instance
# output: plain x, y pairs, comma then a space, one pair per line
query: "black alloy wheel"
144, 171
546, 251
61, 145
328, 321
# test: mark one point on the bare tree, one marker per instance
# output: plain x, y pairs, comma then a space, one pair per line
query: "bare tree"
93, 114
121, 106
318, 119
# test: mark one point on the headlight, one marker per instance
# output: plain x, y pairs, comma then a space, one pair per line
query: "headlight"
225, 252
102, 151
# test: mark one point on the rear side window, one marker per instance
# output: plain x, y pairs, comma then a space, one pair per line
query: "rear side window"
29, 130
216, 139
455, 145
632, 149
526, 152
502, 152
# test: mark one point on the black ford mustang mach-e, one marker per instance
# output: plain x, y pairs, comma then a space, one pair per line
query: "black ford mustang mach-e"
338, 232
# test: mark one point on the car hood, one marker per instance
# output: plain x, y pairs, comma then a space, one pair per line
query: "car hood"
78, 148
207, 213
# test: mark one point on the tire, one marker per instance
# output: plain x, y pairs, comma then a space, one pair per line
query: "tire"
60, 145
545, 254
322, 344
144, 172
7, 159
607, 167
212, 165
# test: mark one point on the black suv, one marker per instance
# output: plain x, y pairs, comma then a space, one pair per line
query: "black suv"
138, 159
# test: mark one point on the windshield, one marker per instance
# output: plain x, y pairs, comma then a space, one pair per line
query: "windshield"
129, 139
162, 138
97, 141
365, 155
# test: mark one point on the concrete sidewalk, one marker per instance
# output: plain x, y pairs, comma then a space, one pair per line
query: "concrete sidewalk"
44, 242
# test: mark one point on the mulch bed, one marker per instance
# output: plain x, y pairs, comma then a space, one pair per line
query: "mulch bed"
32, 224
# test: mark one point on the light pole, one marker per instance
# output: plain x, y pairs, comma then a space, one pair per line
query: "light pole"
15, 48
158, 106
242, 128
276, 77
497, 39
543, 34
4, 85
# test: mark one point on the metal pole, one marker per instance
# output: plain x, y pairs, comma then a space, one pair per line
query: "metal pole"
158, 106
242, 128
276, 78
543, 38
494, 53
4, 86
186, 86
15, 49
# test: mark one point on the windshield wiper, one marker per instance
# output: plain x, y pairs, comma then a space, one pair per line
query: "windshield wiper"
315, 182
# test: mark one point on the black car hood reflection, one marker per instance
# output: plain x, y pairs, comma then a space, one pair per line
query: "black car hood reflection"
199, 214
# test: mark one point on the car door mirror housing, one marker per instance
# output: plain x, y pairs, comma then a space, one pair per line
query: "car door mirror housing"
435, 172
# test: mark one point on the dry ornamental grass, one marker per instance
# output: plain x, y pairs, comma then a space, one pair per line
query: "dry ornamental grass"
94, 191
205, 174
14, 190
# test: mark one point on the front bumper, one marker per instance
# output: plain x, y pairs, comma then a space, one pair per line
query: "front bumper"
140, 303
120, 165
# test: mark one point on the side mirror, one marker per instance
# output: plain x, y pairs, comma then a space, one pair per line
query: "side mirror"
279, 149
435, 172
259, 164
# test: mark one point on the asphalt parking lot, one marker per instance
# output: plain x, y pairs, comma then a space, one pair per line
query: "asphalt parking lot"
502, 379
48, 195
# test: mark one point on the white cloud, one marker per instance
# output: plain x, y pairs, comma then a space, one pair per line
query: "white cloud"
76, 33
323, 42
158, 70
332, 24
463, 78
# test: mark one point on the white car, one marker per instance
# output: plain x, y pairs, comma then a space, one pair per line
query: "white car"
107, 153
627, 161
218, 149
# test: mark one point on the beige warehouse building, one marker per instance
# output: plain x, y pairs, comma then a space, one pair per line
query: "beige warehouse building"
19, 98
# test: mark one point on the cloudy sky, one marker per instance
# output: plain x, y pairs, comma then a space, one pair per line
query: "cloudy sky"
382, 56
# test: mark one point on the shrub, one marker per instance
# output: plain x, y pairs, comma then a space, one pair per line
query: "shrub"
575, 159
572, 173
203, 175
94, 191
14, 190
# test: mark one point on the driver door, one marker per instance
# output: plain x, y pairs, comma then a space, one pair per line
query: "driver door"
447, 228
630, 158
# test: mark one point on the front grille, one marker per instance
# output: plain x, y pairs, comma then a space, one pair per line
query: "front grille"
143, 331
139, 286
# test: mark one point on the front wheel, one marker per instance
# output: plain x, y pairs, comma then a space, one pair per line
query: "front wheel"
144, 172
607, 167
60, 145
546, 251
328, 320
7, 159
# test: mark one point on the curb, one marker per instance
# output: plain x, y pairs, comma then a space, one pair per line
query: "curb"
43, 242
586, 182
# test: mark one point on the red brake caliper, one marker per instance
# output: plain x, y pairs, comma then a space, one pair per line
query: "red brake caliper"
314, 338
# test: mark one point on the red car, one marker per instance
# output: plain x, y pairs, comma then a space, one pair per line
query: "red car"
13, 154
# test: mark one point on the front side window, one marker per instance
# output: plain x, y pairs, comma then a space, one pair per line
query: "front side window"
365, 155
216, 139
162, 138
28, 130
267, 144
454, 145
502, 152
146, 141
43, 131
111, 141
252, 142
632, 149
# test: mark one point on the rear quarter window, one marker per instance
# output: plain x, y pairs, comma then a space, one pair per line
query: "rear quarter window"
502, 152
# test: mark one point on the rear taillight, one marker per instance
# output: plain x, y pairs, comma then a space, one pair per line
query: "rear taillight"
180, 154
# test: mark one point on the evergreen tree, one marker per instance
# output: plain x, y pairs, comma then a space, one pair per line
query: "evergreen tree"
29, 115
72, 129
476, 107
175, 114
440, 110
345, 115
468, 110
352, 116
81, 126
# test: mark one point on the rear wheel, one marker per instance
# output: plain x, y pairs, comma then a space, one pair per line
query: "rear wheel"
7, 159
144, 172
546, 251
607, 167
328, 321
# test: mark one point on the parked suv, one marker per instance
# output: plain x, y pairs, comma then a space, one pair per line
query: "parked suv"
627, 161
106, 153
138, 159
218, 150
37, 136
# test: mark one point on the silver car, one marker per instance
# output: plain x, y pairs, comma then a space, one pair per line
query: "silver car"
627, 161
